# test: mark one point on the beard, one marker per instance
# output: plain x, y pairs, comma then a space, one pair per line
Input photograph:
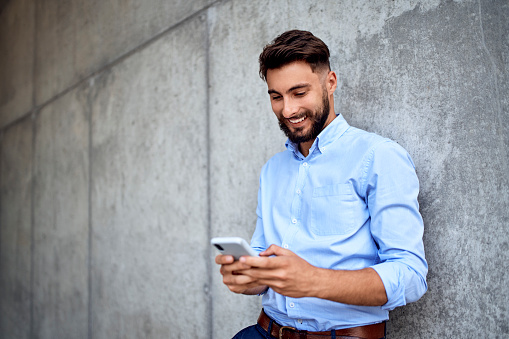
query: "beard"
318, 119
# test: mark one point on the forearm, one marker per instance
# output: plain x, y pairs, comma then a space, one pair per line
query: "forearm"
359, 287
288, 274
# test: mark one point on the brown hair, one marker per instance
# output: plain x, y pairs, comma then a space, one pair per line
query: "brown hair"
294, 45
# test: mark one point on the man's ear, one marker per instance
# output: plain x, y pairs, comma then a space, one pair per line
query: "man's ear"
331, 82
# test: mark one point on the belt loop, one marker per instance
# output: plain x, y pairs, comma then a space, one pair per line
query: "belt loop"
269, 330
333, 334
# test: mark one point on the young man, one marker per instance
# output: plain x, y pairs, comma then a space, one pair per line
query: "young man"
339, 231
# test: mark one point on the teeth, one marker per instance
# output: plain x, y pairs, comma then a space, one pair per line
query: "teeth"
296, 121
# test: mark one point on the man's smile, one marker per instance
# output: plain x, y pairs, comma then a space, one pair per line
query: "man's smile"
297, 120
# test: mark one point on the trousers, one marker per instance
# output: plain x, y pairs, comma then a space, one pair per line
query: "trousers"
252, 332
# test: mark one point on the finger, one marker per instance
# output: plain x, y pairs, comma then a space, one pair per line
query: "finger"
236, 266
224, 259
266, 263
260, 262
277, 251
270, 251
238, 280
262, 276
242, 288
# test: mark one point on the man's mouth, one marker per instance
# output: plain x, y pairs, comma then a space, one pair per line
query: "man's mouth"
297, 120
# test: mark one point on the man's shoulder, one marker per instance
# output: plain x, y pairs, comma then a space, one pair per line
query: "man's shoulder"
363, 141
378, 148
369, 138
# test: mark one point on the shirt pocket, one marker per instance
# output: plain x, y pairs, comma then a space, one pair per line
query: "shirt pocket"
332, 210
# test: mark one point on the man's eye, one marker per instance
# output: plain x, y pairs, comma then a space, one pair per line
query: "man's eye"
277, 97
299, 94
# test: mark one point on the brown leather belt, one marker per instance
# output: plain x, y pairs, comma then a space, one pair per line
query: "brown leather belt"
375, 331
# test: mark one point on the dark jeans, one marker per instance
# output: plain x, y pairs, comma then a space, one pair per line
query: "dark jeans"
252, 332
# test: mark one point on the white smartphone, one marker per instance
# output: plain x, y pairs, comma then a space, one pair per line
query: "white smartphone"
235, 246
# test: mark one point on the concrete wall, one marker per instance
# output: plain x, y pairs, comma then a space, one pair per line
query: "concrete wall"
133, 131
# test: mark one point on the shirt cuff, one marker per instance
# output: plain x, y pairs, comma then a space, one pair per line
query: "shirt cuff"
394, 285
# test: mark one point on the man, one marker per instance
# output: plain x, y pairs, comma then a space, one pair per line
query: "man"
339, 233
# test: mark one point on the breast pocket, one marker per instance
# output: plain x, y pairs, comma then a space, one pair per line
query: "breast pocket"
332, 209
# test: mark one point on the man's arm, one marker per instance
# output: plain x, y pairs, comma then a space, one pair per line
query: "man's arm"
391, 188
288, 274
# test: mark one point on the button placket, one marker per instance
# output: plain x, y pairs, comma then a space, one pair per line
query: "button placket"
297, 199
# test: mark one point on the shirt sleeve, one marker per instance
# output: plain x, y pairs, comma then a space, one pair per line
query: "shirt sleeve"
391, 188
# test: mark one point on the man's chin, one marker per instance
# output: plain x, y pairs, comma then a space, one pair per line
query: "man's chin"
298, 137
296, 134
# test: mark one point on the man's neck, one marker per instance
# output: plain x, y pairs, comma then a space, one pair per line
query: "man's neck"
305, 146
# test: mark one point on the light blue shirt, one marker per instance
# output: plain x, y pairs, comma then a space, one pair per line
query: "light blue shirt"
350, 204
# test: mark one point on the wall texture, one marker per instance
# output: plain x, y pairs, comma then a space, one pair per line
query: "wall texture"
133, 131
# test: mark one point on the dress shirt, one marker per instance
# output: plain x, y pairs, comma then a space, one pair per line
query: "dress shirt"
350, 204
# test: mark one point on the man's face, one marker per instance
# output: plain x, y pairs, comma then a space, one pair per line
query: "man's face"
300, 100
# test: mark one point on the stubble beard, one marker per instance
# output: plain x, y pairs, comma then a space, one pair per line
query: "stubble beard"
318, 119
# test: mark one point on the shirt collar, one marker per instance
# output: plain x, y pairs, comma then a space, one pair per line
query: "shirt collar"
327, 136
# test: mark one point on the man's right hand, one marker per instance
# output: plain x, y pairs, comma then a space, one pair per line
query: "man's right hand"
233, 278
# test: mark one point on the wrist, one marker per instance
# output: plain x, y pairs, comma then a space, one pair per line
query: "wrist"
317, 287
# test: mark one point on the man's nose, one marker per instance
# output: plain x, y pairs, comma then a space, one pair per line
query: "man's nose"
289, 108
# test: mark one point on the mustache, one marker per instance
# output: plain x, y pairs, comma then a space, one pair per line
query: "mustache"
317, 119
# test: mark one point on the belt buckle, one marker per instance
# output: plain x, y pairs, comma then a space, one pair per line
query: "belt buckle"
282, 328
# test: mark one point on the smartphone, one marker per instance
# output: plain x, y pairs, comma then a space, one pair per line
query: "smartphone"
235, 246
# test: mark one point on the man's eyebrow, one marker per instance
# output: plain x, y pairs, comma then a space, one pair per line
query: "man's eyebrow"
298, 86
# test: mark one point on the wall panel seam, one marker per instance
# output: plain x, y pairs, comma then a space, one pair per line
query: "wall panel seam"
210, 305
90, 229
34, 113
32, 225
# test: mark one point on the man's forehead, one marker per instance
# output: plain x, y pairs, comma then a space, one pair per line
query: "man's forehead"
290, 75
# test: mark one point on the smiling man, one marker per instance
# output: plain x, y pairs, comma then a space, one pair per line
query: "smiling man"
339, 232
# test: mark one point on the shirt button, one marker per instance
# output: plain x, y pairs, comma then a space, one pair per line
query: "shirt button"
294, 221
298, 191
292, 305
305, 164
300, 321
285, 245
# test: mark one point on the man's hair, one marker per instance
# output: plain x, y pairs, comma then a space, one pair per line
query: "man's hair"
293, 46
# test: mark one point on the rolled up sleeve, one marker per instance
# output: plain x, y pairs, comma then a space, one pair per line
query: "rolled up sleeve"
392, 188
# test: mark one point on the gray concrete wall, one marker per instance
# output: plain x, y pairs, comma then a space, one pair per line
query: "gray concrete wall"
133, 131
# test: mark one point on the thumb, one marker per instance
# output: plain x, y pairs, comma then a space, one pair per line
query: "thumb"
277, 251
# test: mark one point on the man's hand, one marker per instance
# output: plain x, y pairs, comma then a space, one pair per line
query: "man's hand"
233, 277
286, 273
